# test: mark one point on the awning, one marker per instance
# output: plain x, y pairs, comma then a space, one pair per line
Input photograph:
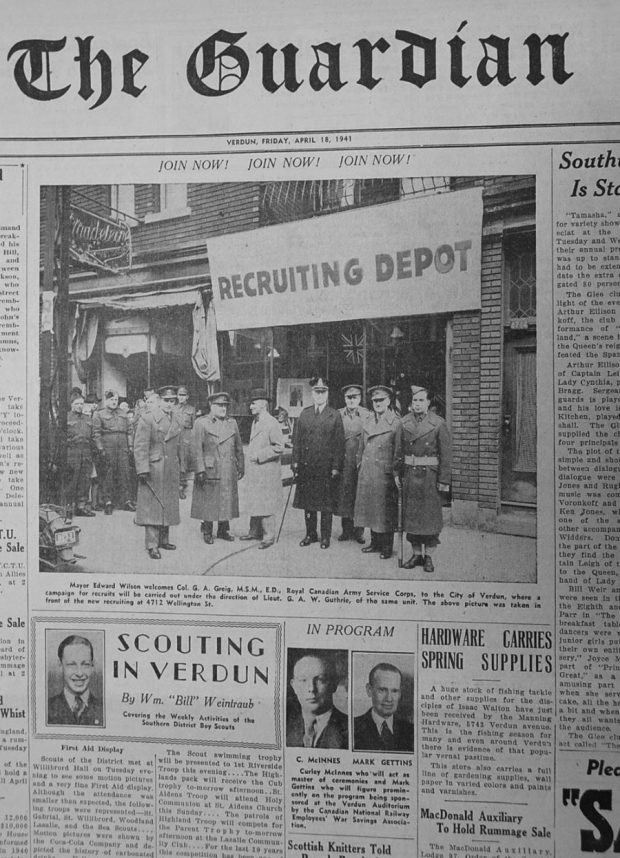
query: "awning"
178, 297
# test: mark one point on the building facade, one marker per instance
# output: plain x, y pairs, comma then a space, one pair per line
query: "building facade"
149, 308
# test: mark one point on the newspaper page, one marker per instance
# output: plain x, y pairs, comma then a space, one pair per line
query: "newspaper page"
309, 370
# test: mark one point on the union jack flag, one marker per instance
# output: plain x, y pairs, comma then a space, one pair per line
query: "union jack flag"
353, 347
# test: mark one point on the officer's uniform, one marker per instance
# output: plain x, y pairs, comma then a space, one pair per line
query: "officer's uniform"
111, 437
219, 463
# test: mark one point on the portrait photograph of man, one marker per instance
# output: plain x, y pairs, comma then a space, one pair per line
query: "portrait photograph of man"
385, 682
75, 693
317, 703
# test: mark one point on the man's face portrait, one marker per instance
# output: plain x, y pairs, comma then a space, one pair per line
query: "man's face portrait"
77, 667
313, 684
319, 396
380, 402
384, 691
257, 406
420, 402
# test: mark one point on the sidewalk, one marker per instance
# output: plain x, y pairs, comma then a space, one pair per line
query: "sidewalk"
115, 545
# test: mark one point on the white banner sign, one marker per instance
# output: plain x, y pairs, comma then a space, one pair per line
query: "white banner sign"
411, 257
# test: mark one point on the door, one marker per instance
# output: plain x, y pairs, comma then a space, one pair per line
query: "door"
519, 420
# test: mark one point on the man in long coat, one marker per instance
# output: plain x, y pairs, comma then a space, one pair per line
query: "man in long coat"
219, 462
79, 458
111, 437
318, 456
157, 454
263, 476
186, 415
376, 503
423, 462
353, 416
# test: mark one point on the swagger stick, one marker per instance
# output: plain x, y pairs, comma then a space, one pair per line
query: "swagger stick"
288, 497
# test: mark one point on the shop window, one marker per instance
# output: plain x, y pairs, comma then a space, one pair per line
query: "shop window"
520, 280
169, 201
123, 203
421, 186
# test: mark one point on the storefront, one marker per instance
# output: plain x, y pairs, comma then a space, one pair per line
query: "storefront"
429, 290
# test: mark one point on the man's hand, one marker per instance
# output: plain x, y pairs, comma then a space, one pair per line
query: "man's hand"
200, 478
397, 481
143, 478
335, 474
443, 487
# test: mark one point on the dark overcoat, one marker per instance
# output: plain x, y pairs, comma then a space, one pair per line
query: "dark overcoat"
111, 435
218, 453
157, 452
79, 456
353, 429
335, 734
376, 502
186, 415
422, 505
263, 478
318, 449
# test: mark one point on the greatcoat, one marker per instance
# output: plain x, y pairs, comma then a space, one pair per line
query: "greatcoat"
218, 453
157, 451
422, 506
352, 440
186, 415
79, 456
111, 435
263, 478
376, 503
318, 449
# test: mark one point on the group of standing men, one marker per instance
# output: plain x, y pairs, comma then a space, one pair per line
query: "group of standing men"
354, 462
349, 462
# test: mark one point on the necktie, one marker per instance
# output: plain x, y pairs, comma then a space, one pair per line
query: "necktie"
387, 737
78, 707
310, 734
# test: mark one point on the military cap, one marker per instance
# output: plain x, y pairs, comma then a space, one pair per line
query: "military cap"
352, 388
259, 393
167, 390
220, 398
318, 382
182, 389
415, 388
379, 388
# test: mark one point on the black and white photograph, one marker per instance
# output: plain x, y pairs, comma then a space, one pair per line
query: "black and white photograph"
75, 672
317, 702
383, 702
296, 378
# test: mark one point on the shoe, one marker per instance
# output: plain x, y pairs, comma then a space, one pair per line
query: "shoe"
325, 543
428, 564
360, 540
182, 494
208, 538
370, 549
130, 506
248, 536
84, 512
385, 555
308, 540
153, 553
108, 509
266, 543
414, 560
168, 546
227, 537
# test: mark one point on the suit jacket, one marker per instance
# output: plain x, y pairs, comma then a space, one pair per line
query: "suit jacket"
366, 736
59, 712
335, 734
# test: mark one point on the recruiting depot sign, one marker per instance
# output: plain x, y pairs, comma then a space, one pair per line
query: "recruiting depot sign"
411, 257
